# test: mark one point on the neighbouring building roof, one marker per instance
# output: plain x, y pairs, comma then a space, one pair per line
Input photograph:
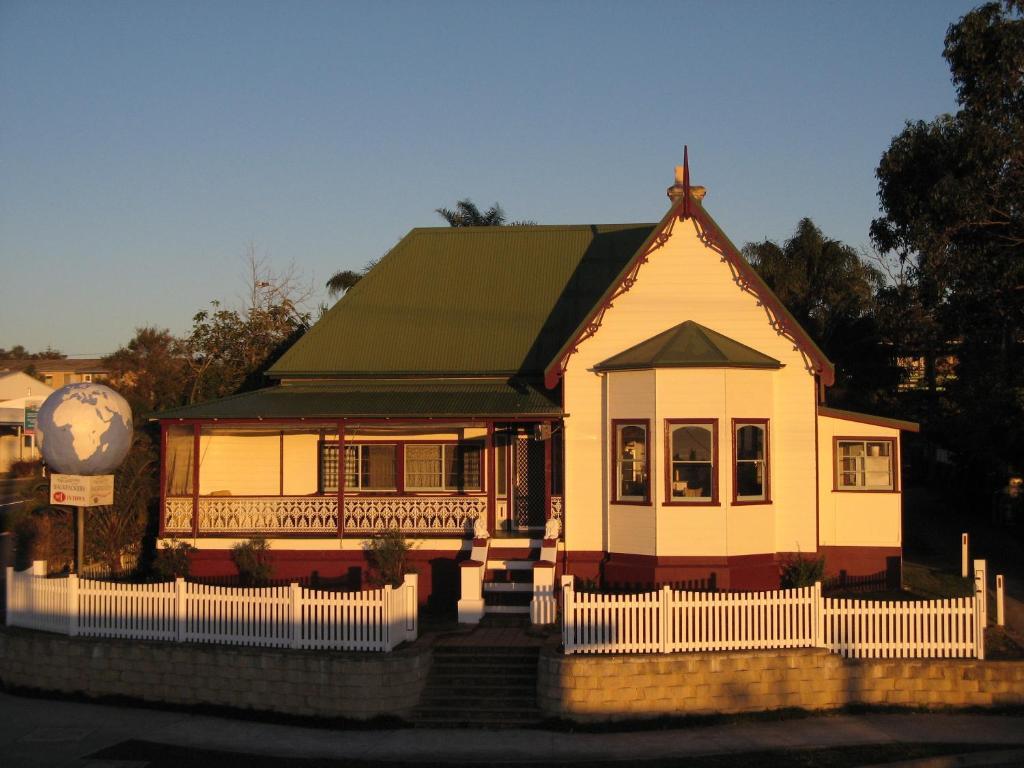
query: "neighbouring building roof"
442, 398
458, 301
688, 345
56, 365
867, 418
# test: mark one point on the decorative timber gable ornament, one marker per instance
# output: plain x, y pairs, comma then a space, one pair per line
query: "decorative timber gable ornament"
687, 204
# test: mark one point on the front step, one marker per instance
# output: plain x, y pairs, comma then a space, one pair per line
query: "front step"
469, 686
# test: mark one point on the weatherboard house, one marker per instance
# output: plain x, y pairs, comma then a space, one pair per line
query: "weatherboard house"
627, 403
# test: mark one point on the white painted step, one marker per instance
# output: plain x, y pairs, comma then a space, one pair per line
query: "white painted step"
510, 565
509, 586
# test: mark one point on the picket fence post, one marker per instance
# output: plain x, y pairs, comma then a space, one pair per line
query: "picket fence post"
72, 605
180, 612
981, 603
568, 619
411, 605
663, 617
9, 594
819, 616
295, 614
1000, 602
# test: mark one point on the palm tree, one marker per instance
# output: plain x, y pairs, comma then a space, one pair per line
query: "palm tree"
465, 214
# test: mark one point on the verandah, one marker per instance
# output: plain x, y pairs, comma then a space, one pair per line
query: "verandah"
291, 477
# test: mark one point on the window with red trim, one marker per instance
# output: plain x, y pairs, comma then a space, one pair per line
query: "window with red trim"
750, 456
692, 458
632, 465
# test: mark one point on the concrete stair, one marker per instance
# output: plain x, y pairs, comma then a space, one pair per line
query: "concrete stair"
508, 580
480, 687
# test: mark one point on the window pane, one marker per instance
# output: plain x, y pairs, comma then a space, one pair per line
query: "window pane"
749, 442
750, 479
632, 470
423, 466
462, 467
178, 462
632, 442
691, 443
351, 466
378, 467
691, 481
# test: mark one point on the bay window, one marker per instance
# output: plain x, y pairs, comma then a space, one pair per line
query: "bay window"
692, 452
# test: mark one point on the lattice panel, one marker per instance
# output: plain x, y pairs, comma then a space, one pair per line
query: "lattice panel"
268, 514
178, 515
413, 514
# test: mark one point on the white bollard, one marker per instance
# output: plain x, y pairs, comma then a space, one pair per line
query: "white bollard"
963, 555
1000, 615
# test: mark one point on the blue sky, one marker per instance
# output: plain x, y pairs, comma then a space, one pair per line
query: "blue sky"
144, 145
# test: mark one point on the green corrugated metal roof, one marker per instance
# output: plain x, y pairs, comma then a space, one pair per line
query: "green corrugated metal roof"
688, 345
467, 300
406, 397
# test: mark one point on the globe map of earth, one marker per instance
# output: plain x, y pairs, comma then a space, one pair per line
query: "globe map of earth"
84, 429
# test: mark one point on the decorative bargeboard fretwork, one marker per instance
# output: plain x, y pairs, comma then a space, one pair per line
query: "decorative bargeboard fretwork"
556, 507
413, 514
178, 515
268, 514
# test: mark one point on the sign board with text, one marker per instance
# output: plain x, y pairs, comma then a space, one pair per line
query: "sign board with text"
82, 490
31, 415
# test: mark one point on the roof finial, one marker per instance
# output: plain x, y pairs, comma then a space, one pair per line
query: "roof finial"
682, 190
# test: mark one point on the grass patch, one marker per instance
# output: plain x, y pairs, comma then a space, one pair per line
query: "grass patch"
928, 583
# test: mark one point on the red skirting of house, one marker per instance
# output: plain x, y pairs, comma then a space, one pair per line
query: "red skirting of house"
863, 561
739, 572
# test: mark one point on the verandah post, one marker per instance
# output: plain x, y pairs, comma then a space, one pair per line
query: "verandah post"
492, 480
9, 594
195, 480
341, 479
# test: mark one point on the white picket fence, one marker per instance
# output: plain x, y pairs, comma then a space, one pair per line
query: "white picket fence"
180, 611
667, 620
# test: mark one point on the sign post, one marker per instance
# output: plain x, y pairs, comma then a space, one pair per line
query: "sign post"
80, 492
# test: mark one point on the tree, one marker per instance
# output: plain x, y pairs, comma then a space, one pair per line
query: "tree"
150, 371
18, 352
229, 349
831, 291
465, 214
952, 196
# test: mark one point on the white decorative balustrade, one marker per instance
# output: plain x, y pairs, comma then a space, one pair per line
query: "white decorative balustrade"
318, 515
414, 514
268, 514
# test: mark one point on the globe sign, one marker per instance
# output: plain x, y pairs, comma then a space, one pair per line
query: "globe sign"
84, 429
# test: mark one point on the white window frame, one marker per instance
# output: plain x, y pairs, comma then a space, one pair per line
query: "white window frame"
862, 466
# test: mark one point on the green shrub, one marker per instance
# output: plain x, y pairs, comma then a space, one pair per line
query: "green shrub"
173, 560
388, 553
27, 468
252, 559
801, 571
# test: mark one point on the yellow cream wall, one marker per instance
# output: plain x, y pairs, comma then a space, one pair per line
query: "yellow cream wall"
631, 527
855, 518
684, 280
719, 394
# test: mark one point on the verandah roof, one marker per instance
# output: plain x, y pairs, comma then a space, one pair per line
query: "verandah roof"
420, 398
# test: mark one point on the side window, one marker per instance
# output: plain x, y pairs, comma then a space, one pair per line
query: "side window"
750, 455
865, 465
632, 468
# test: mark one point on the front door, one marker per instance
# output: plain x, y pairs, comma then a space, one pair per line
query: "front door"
527, 474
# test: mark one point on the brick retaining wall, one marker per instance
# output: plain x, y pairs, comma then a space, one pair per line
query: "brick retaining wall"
304, 683
594, 688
